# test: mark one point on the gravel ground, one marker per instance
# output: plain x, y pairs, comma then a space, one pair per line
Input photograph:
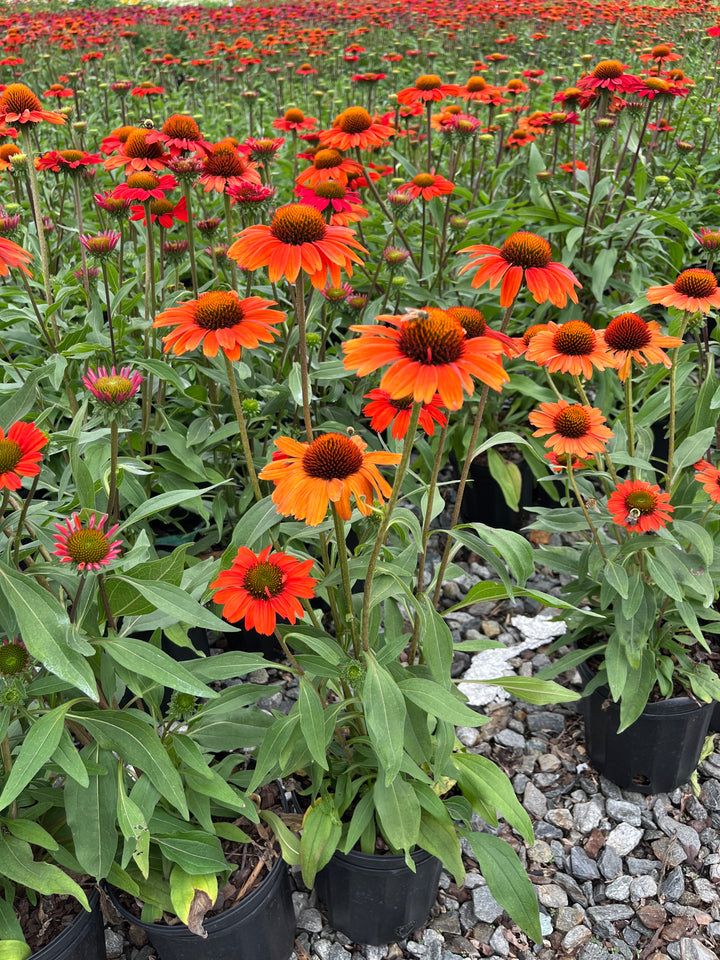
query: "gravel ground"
616, 873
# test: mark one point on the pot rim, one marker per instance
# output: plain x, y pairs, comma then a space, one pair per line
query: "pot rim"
378, 861
70, 933
670, 706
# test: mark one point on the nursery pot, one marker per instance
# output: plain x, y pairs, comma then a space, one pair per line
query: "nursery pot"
715, 719
261, 925
377, 899
83, 939
657, 753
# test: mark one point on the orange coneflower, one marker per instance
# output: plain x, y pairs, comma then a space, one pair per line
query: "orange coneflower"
662, 54
355, 127
164, 211
18, 104
225, 166
219, 320
137, 153
428, 353
694, 291
428, 87
572, 347
575, 429
116, 139
640, 506
179, 134
628, 337
523, 255
330, 469
298, 239
20, 454
427, 186
13, 255
344, 204
474, 324
260, 587
328, 164
383, 411
8, 150
709, 477
294, 119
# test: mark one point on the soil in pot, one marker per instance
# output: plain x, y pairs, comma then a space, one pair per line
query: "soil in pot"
58, 928
657, 753
377, 899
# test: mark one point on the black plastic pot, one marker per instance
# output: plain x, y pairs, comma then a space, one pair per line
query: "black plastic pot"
83, 939
657, 753
377, 899
715, 719
261, 925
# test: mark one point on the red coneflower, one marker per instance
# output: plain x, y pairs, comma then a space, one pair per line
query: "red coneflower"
147, 89
298, 239
427, 186
522, 256
628, 337
640, 506
59, 92
113, 389
572, 347
355, 127
260, 587
67, 161
694, 290
20, 454
312, 475
344, 204
100, 245
116, 139
13, 255
610, 75
383, 411
661, 54
144, 186
328, 164
89, 548
294, 119
225, 166
137, 153
561, 461
428, 87
575, 429
709, 476
180, 134
657, 87
219, 320
428, 352
164, 211
18, 104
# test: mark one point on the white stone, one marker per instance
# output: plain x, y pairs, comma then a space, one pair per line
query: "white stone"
540, 629
624, 838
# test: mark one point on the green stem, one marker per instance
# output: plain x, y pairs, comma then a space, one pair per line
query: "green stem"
299, 296
229, 236
630, 424
190, 239
673, 389
7, 763
237, 407
385, 523
106, 603
109, 312
584, 398
345, 575
584, 509
42, 240
21, 521
113, 502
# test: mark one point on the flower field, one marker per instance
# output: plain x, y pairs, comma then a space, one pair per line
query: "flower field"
275, 281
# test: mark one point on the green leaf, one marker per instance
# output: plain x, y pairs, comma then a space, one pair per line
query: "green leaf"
533, 690
663, 578
10, 928
31, 832
617, 578
603, 266
187, 891
438, 702
637, 690
438, 837
177, 602
90, 814
507, 880
21, 400
137, 743
68, 759
134, 828
437, 642
149, 661
166, 500
693, 448
14, 950
18, 866
226, 666
41, 618
480, 778
507, 475
321, 833
197, 853
38, 746
289, 842
398, 810
312, 721
698, 538
126, 601
385, 716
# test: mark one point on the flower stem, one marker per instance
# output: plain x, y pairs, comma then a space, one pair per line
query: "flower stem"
673, 388
23, 514
584, 509
7, 763
345, 574
78, 218
385, 523
113, 503
106, 603
42, 240
190, 239
109, 312
299, 295
630, 424
76, 601
229, 236
237, 407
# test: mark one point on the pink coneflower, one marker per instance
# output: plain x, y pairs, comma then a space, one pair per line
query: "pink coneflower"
100, 245
89, 548
113, 389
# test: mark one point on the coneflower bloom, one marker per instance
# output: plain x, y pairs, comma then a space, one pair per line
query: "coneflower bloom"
89, 548
477, 88
344, 205
694, 290
258, 588
474, 324
575, 429
640, 506
138, 153
710, 239
164, 211
8, 150
224, 166
661, 54
295, 119
20, 454
427, 186
628, 337
561, 461
355, 127
14, 658
180, 134
13, 255
572, 347
18, 104
113, 389
147, 89
328, 164
100, 245
262, 149
58, 92
219, 320
116, 138
610, 75
383, 411
657, 87
298, 239
522, 256
333, 467
428, 87
709, 477
428, 352
67, 161
144, 186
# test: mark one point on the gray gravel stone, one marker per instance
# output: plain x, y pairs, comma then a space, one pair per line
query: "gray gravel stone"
581, 866
567, 918
619, 889
576, 938
638, 868
310, 920
511, 739
374, 953
552, 896
594, 951
686, 835
624, 838
546, 721
546, 925
610, 864
485, 906
572, 888
705, 890
114, 943
587, 816
611, 912
534, 801
560, 818
710, 794
623, 812
499, 943
642, 888
692, 949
